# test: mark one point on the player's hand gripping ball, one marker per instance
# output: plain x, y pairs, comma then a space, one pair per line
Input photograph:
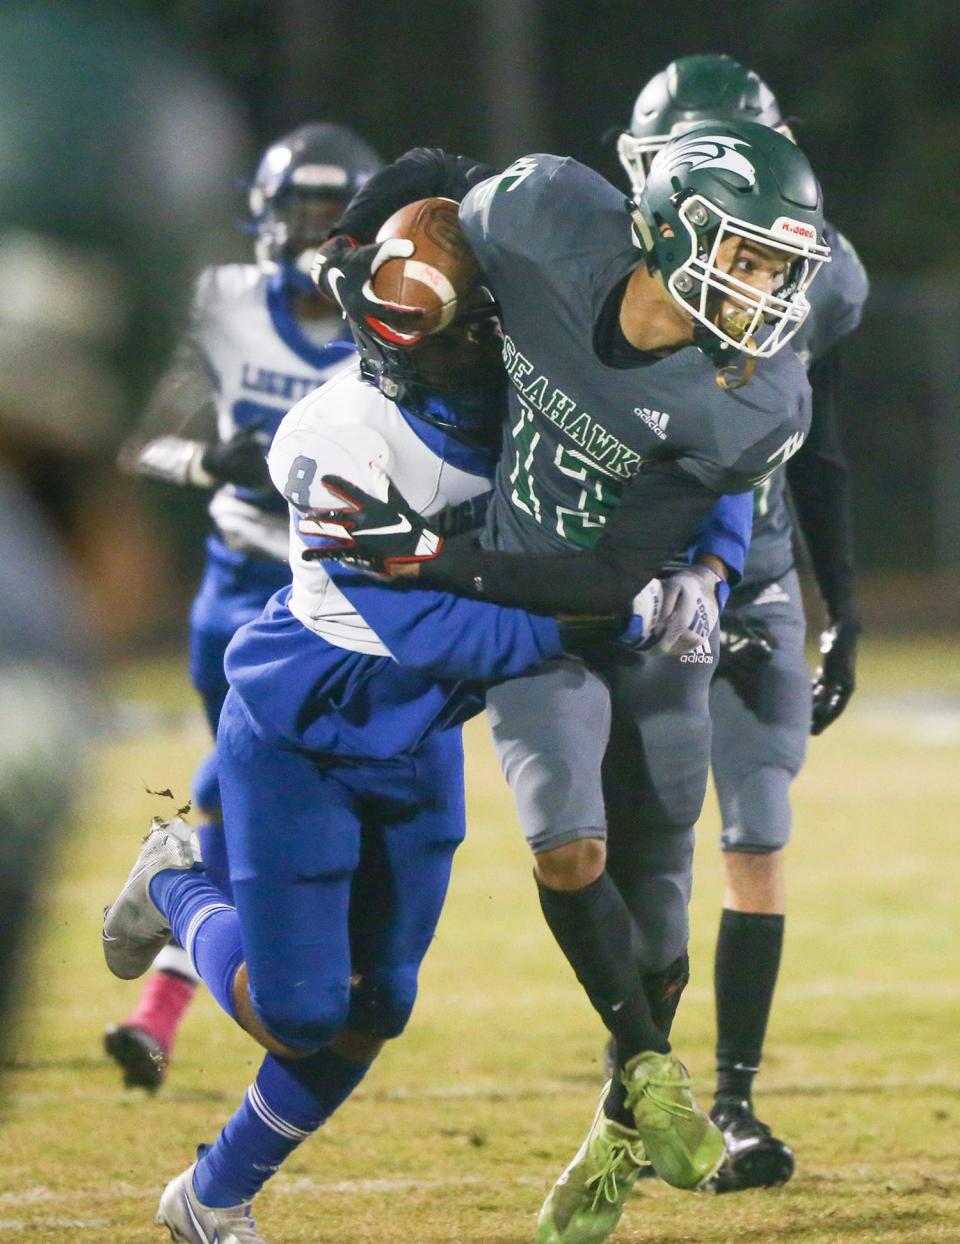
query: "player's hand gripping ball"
412, 281
439, 275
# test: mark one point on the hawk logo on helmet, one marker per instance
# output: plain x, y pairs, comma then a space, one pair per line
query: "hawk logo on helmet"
708, 151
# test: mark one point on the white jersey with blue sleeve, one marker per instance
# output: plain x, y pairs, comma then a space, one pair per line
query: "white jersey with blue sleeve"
262, 362
349, 428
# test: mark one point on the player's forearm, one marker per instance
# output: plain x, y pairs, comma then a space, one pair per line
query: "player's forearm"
723, 539
821, 497
566, 583
446, 636
820, 487
659, 514
177, 423
173, 459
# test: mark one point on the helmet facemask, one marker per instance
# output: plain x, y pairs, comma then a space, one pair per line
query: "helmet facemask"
302, 184
636, 156
702, 287
292, 228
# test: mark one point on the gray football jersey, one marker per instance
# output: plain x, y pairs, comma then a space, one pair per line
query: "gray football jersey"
553, 238
836, 305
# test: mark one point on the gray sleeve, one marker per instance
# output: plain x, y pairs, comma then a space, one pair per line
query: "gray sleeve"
754, 465
178, 422
506, 218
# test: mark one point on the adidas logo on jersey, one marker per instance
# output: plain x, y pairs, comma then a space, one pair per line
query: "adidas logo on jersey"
699, 656
656, 420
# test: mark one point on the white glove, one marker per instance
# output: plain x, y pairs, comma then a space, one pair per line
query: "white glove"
692, 600
646, 621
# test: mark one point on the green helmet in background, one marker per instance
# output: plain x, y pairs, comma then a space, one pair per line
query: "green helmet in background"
722, 180
117, 158
693, 89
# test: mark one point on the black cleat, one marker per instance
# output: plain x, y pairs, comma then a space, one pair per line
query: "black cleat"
140, 1056
755, 1157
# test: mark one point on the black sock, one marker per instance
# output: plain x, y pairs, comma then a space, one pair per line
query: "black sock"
745, 975
663, 990
595, 930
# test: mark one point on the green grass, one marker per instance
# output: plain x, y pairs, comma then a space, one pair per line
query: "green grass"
462, 1125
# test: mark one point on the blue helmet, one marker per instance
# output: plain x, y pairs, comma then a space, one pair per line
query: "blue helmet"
302, 184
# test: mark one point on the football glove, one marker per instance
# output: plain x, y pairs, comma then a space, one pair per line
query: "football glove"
692, 601
240, 460
835, 680
745, 644
377, 534
343, 272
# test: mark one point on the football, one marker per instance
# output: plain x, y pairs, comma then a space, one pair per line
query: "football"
442, 273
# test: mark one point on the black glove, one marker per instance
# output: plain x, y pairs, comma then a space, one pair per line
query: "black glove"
343, 272
745, 644
381, 534
240, 460
835, 680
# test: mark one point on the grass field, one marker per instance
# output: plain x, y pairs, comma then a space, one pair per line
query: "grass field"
462, 1125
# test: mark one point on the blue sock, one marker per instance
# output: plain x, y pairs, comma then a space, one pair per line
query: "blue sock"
213, 850
287, 1102
205, 925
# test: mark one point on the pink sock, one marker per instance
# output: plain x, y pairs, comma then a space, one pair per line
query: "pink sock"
162, 1004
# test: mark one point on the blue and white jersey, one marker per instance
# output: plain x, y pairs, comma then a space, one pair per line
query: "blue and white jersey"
340, 663
262, 361
349, 428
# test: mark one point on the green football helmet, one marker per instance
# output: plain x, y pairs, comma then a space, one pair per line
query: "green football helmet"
691, 90
722, 180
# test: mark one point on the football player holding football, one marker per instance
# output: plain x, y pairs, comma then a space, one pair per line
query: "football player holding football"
760, 700
259, 340
340, 764
643, 350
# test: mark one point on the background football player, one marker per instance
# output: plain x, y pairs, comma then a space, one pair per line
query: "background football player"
725, 240
260, 339
760, 700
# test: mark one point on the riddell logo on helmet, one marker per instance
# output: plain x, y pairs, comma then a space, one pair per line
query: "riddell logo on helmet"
793, 229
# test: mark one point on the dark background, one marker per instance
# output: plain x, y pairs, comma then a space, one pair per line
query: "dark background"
870, 85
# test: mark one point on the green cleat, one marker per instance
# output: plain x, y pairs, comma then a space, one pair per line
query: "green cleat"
680, 1140
585, 1204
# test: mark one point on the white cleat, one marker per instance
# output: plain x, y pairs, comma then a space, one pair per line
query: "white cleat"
134, 928
190, 1222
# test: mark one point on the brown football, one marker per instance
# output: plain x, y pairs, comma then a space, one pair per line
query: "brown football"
441, 274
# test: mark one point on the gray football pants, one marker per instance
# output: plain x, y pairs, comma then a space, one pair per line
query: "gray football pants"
619, 750
759, 746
